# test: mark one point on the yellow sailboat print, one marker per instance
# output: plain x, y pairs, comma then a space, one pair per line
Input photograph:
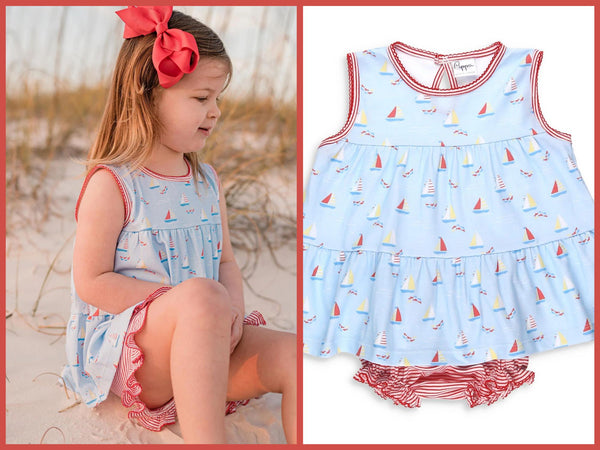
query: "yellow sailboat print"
498, 304
390, 239
375, 212
363, 308
476, 242
568, 285
476, 278
402, 160
560, 340
429, 314
384, 69
533, 146
561, 225
449, 215
468, 161
310, 232
528, 203
362, 121
451, 119
538, 263
348, 279
339, 156
408, 285
490, 355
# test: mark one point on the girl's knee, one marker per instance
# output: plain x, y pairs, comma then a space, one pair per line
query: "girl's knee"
202, 298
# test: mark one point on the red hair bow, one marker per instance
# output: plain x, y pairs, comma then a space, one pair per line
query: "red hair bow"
175, 51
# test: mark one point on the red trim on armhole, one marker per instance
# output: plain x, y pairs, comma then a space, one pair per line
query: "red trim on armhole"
216, 178
354, 92
124, 194
535, 99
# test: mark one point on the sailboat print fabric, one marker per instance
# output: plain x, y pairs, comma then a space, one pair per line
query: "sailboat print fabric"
171, 233
446, 226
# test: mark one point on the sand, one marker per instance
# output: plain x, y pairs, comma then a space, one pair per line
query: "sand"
35, 401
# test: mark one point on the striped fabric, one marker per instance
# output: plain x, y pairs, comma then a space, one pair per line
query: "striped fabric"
126, 386
479, 384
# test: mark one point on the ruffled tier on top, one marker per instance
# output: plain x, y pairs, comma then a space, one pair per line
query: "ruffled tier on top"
445, 201
454, 311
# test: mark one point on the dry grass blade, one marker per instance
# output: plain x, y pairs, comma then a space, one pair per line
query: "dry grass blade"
78, 402
48, 272
35, 327
56, 375
55, 428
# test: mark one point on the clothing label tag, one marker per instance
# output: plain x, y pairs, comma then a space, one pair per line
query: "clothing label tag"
464, 67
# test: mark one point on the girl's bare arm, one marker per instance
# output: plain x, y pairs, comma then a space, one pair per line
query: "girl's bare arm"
229, 273
100, 220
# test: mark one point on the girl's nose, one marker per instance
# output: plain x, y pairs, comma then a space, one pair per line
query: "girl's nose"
215, 112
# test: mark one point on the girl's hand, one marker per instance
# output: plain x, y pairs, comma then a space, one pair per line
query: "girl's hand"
237, 320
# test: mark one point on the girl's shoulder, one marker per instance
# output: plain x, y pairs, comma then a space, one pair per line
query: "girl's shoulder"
102, 180
207, 171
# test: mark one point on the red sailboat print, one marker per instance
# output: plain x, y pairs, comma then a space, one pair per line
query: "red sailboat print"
475, 314
377, 165
358, 243
528, 236
442, 165
396, 317
170, 217
508, 157
335, 311
441, 246
539, 296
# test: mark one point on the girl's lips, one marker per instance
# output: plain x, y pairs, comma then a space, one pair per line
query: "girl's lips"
204, 131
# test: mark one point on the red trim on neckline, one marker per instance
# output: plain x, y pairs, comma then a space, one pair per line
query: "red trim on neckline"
497, 50
169, 177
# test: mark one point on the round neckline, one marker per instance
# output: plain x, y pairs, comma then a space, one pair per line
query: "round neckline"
161, 176
497, 50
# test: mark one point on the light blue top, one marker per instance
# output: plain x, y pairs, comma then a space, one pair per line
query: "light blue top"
172, 232
446, 226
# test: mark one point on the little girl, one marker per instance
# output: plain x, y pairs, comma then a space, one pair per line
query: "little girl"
157, 313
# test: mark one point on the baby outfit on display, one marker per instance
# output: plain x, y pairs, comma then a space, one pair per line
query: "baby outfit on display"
448, 233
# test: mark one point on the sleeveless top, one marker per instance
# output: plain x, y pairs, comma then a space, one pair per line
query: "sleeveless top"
171, 232
446, 225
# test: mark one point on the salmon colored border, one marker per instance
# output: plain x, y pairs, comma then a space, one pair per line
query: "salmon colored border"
299, 197
299, 188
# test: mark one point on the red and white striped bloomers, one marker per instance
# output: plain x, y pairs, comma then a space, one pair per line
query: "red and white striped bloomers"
479, 384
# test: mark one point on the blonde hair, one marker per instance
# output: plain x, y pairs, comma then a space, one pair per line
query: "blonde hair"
129, 126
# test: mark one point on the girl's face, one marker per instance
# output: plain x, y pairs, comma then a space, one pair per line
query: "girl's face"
188, 111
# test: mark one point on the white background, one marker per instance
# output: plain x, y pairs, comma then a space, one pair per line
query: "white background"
559, 406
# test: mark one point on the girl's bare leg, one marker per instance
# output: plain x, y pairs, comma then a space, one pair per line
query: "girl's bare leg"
185, 341
265, 361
